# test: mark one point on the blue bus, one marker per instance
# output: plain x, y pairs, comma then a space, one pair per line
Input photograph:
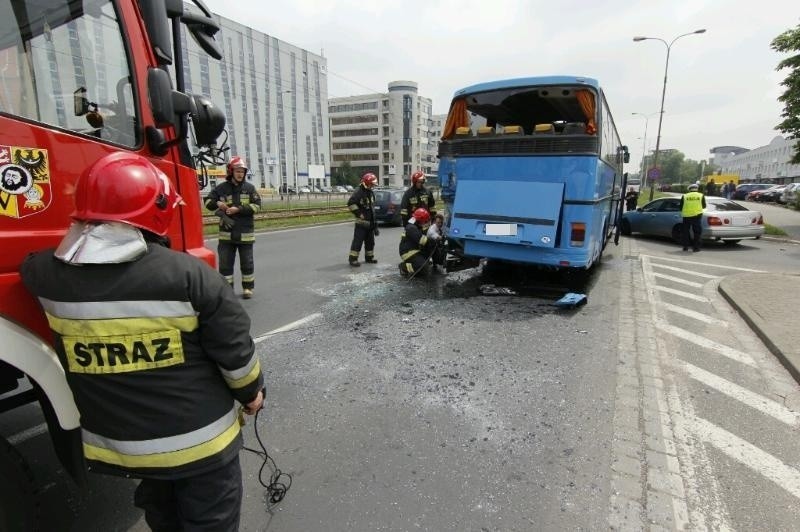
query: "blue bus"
531, 171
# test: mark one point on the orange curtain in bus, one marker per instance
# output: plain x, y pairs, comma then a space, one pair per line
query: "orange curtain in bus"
456, 118
586, 101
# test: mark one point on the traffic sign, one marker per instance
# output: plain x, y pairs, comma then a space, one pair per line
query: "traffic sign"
654, 173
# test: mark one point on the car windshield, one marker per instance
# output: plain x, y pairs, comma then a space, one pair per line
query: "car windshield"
724, 205
381, 195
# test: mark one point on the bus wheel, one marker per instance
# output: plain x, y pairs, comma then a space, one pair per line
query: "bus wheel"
17, 494
677, 233
626, 228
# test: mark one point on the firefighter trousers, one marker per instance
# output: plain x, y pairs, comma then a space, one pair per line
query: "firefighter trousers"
227, 257
211, 501
413, 264
362, 235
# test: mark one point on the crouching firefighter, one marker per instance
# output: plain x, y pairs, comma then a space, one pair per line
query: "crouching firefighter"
416, 248
235, 201
136, 327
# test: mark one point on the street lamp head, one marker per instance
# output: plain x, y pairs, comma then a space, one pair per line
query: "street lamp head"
639, 38
701, 31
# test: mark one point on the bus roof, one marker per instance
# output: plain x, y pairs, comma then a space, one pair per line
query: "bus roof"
527, 82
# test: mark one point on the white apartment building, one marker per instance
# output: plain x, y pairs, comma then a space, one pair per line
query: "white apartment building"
274, 96
388, 134
768, 163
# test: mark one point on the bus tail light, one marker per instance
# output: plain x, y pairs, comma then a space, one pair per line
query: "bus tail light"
578, 234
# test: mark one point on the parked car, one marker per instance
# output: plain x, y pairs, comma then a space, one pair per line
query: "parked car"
723, 220
789, 195
767, 194
387, 206
745, 188
326, 190
305, 190
349, 188
339, 189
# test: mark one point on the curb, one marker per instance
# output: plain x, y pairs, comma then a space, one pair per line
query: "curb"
759, 327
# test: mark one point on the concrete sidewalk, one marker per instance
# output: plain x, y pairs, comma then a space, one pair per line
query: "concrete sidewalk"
768, 302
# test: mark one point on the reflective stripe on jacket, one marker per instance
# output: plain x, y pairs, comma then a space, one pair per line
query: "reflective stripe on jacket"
247, 199
156, 352
692, 204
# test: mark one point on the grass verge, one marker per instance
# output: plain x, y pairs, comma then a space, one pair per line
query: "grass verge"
774, 231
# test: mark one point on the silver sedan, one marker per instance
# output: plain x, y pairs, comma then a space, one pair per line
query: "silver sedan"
723, 220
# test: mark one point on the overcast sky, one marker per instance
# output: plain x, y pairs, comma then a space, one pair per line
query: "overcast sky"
722, 85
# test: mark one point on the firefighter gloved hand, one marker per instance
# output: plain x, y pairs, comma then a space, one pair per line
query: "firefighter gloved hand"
376, 232
364, 223
225, 221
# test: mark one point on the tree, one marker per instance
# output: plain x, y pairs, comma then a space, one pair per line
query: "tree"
345, 175
789, 41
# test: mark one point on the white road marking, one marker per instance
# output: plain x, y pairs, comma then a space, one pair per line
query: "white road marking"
702, 341
743, 395
27, 434
749, 455
693, 314
706, 264
681, 293
288, 326
683, 270
679, 280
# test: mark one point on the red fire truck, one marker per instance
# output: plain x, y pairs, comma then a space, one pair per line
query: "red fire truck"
80, 79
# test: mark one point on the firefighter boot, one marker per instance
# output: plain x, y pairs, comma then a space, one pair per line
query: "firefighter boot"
247, 293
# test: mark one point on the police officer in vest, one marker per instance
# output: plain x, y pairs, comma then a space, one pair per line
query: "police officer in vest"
692, 205
235, 202
155, 346
415, 197
362, 205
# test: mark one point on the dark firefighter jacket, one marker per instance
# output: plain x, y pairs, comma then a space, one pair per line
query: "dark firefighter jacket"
244, 196
413, 241
157, 353
413, 199
361, 204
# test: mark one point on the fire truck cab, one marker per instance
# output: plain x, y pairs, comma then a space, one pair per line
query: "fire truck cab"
80, 79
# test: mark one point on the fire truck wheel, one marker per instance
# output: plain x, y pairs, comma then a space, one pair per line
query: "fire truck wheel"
17, 494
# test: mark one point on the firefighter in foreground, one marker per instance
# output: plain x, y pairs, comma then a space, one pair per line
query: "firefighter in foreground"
416, 248
415, 197
235, 202
362, 205
155, 346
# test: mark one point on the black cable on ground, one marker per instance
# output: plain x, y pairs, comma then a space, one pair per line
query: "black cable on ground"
276, 488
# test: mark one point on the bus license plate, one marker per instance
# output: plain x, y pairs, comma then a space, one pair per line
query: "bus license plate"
501, 229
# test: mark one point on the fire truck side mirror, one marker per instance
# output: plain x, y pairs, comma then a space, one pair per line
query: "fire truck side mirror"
159, 88
208, 120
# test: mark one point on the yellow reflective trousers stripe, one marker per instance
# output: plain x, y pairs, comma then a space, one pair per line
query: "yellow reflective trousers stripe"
408, 254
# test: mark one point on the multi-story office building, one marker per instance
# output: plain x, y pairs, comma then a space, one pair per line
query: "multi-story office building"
768, 163
274, 96
384, 133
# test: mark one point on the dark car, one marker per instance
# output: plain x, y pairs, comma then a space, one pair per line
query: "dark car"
744, 189
387, 206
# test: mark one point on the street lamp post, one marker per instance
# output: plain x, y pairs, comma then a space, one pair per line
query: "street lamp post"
663, 89
643, 176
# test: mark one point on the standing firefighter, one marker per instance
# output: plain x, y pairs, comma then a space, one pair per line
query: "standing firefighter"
415, 197
416, 248
235, 202
361, 204
137, 329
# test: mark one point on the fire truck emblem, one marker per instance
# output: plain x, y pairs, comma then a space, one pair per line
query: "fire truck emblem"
24, 181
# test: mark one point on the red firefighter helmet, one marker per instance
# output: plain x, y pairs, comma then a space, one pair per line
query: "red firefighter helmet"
417, 177
125, 187
369, 180
422, 216
236, 162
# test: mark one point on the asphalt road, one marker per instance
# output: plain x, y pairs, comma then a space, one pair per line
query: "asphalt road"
430, 406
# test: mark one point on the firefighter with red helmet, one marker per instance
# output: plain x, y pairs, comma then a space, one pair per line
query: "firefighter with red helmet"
136, 327
416, 248
415, 197
236, 201
362, 205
